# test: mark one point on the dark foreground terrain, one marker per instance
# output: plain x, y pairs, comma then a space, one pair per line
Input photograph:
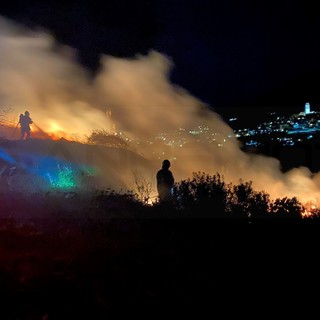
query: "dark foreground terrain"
65, 257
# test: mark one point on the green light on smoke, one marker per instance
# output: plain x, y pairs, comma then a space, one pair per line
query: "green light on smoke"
63, 180
67, 178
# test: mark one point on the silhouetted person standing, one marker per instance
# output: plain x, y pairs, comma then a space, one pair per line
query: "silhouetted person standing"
165, 181
25, 122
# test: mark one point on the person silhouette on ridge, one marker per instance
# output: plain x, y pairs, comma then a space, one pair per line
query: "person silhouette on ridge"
165, 181
25, 121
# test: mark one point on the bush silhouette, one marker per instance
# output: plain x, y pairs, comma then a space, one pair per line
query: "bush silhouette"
203, 195
210, 196
103, 137
244, 202
286, 208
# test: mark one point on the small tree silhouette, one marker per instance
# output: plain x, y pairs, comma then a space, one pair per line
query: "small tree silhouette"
144, 187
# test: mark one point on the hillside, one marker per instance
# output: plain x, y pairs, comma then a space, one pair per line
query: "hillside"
45, 163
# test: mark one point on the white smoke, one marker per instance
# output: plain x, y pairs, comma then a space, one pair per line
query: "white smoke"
41, 76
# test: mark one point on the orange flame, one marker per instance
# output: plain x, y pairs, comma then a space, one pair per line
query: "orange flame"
310, 210
13, 133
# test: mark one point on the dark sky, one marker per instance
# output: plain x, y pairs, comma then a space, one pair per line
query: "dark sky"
229, 53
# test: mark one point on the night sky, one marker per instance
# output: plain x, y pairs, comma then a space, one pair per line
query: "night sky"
230, 54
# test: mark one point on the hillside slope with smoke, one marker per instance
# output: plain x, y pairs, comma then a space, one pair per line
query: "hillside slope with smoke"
42, 165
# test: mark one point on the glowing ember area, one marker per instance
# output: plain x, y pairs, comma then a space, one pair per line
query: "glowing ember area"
131, 99
37, 133
310, 209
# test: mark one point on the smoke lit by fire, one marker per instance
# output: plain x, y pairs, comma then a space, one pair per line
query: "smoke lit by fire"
134, 97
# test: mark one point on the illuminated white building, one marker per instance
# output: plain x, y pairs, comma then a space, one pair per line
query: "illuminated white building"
307, 108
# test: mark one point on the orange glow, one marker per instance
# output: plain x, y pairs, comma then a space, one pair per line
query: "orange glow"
13, 132
54, 127
310, 209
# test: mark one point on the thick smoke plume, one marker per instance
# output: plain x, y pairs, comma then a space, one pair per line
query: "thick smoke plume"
133, 97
